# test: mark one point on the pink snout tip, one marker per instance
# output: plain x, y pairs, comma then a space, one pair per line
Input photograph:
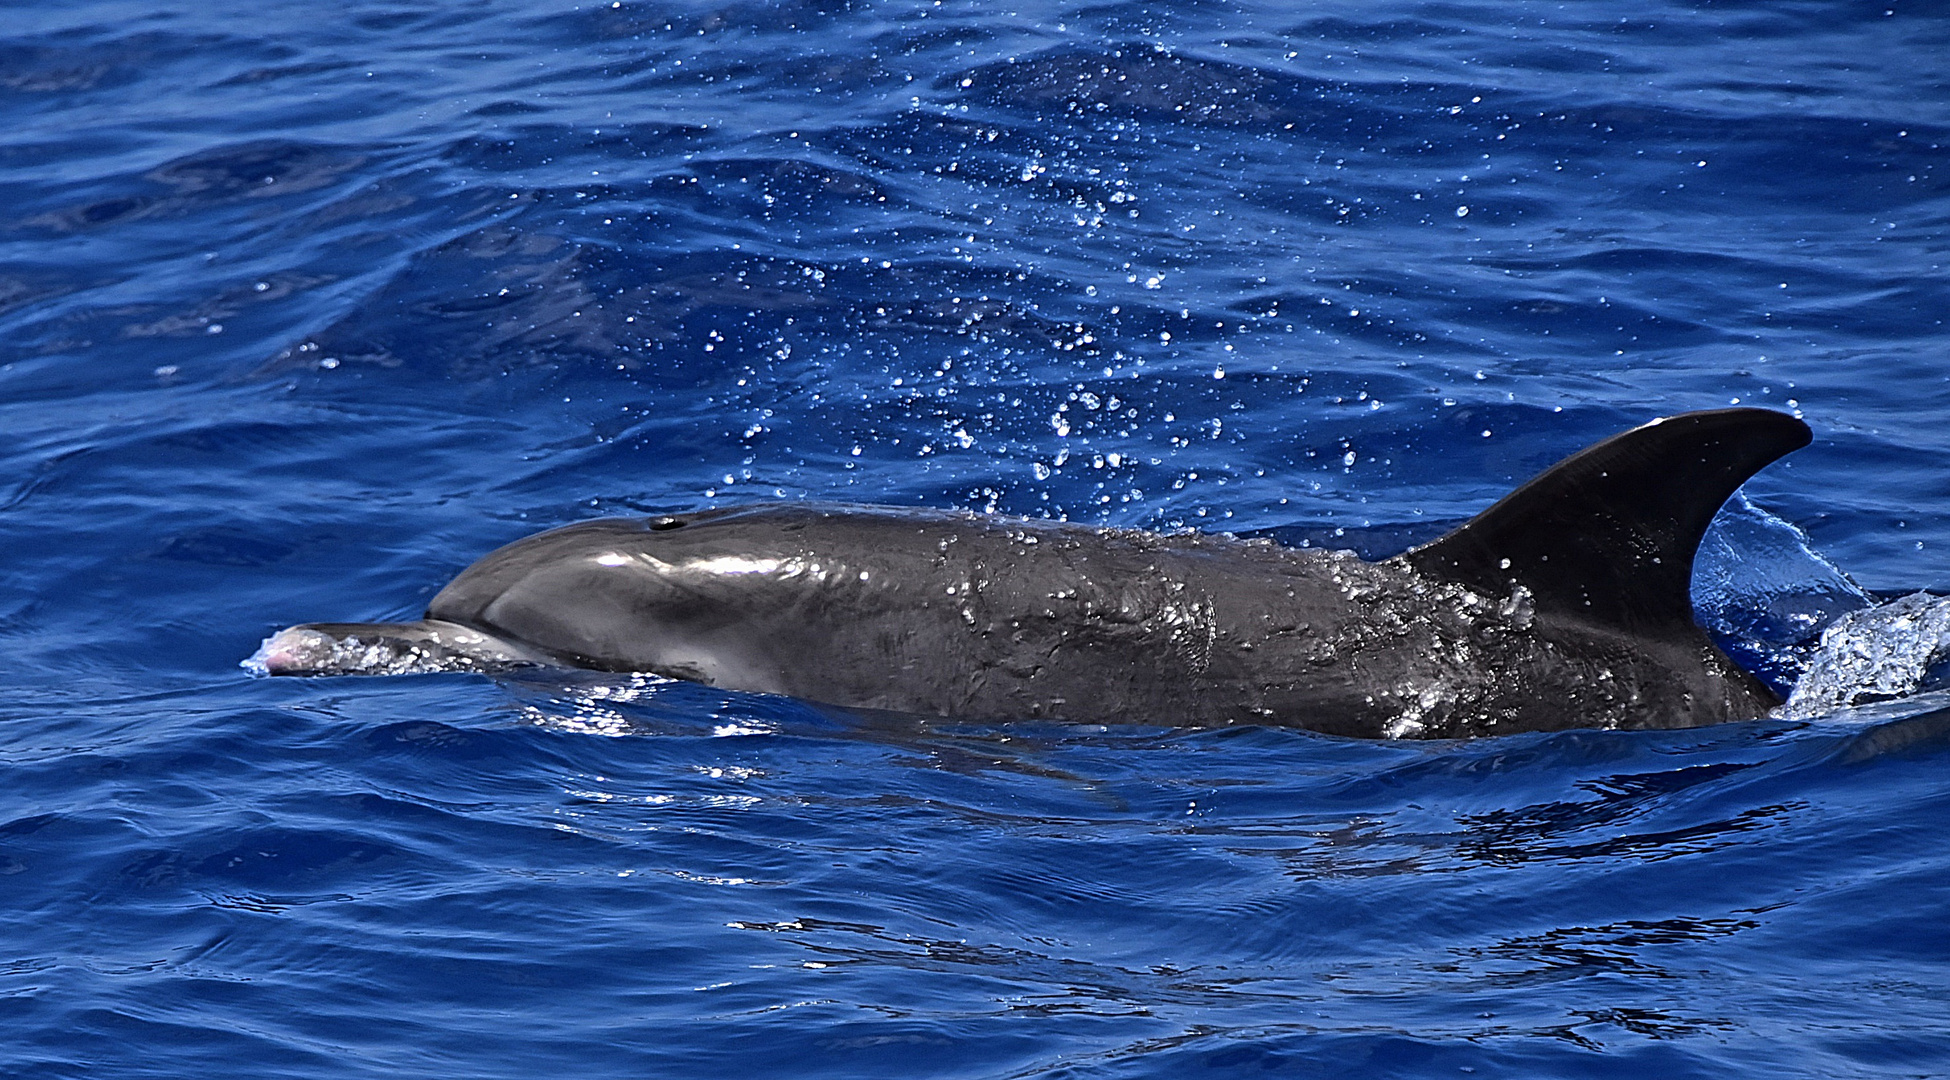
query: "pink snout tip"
291, 651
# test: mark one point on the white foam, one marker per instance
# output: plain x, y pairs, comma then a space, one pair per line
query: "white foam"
1874, 654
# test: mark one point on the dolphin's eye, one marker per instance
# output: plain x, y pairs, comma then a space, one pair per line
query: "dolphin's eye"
665, 524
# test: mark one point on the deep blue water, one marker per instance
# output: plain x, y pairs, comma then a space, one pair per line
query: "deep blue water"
303, 308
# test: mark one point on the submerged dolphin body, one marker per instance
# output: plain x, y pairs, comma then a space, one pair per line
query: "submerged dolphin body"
1566, 604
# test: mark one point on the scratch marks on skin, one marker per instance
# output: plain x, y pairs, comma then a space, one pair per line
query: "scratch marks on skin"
1452, 642
1193, 626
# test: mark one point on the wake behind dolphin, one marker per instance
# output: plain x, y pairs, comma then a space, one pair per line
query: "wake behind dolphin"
1566, 604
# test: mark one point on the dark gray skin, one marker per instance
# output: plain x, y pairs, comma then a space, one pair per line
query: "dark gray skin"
1564, 605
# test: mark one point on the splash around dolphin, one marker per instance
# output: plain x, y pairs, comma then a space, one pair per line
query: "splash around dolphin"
1565, 604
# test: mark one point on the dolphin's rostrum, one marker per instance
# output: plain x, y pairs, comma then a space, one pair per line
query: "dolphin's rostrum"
1566, 604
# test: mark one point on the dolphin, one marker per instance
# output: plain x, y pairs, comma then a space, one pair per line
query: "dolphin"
1565, 604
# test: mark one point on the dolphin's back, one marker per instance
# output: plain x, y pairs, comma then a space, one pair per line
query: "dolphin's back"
922, 611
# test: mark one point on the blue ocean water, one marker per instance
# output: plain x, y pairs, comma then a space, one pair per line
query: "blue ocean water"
303, 309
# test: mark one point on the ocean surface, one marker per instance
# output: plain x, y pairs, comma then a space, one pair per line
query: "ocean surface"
304, 307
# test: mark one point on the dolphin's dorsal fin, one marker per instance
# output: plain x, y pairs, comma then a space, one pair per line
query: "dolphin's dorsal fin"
1609, 533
